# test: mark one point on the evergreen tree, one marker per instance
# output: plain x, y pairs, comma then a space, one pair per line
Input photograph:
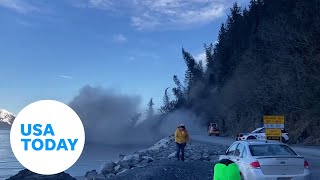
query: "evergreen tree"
209, 70
167, 104
194, 72
265, 61
178, 92
189, 75
150, 110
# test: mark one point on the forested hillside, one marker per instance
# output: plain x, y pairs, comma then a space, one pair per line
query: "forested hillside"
266, 62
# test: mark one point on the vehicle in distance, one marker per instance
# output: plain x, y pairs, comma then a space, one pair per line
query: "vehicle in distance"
213, 129
260, 134
267, 160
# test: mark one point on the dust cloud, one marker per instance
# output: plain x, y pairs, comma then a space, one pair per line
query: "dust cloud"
182, 116
107, 118
105, 113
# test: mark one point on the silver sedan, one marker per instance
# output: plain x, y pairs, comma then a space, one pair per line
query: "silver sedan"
267, 160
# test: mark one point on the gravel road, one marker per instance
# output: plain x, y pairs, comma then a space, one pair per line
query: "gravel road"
170, 170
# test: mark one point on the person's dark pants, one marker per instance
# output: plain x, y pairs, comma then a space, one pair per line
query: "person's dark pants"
180, 149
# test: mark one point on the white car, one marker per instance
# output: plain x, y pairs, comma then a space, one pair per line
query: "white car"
260, 134
267, 160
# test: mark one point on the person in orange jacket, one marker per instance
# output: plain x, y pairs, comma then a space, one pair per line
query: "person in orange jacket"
181, 138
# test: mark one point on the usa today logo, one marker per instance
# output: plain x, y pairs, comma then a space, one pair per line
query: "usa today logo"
47, 137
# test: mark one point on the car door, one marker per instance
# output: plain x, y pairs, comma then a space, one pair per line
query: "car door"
261, 135
230, 152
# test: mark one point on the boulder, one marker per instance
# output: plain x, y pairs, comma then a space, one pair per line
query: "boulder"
100, 177
141, 164
117, 168
143, 153
28, 175
117, 162
125, 164
110, 175
121, 156
147, 158
130, 161
122, 171
108, 168
134, 157
90, 175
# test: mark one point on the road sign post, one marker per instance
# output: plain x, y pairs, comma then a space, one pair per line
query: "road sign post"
274, 126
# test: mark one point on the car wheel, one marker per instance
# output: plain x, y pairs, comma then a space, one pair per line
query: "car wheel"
251, 137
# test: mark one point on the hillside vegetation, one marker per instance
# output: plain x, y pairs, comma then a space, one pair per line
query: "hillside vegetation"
266, 62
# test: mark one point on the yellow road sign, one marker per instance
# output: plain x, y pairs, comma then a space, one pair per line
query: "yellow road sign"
273, 119
274, 138
273, 133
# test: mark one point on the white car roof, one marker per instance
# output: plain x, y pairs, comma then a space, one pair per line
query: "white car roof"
259, 142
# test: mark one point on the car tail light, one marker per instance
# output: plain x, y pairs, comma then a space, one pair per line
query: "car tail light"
306, 164
255, 164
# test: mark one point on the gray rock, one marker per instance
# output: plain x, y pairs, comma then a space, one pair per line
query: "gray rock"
143, 163
134, 157
125, 164
28, 175
122, 171
172, 155
121, 156
117, 162
110, 175
117, 168
90, 175
130, 161
108, 168
143, 153
100, 177
147, 158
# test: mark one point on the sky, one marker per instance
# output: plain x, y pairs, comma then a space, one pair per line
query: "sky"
51, 49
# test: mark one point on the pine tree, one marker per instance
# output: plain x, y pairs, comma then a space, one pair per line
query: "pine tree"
167, 104
209, 71
189, 75
150, 110
194, 72
178, 92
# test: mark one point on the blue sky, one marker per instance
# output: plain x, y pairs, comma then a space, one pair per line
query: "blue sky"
50, 49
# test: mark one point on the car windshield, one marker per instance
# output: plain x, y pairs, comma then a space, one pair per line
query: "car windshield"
271, 150
255, 131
